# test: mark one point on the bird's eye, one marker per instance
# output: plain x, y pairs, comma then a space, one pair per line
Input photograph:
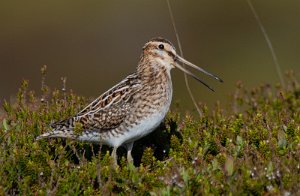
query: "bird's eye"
161, 46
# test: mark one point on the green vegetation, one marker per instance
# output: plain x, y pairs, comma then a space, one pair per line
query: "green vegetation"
252, 148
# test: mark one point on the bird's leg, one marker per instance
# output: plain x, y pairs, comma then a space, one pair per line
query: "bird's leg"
129, 148
114, 156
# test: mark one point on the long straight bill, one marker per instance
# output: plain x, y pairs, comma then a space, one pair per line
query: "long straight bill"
182, 60
193, 75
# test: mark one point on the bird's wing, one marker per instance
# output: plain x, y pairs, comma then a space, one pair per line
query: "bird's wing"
108, 111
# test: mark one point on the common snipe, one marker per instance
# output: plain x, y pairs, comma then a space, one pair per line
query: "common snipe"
134, 107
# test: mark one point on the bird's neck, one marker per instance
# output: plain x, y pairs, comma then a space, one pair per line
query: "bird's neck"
157, 84
155, 78
153, 70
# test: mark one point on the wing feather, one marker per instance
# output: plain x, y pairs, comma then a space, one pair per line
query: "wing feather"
106, 112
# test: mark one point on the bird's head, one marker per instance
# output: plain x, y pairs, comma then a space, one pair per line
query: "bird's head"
161, 52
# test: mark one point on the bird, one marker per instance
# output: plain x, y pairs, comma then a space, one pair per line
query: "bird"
134, 107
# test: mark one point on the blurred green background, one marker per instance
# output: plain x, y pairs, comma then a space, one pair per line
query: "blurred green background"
95, 44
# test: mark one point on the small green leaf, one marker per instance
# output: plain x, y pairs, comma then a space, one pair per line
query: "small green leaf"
5, 125
281, 138
239, 140
270, 168
229, 166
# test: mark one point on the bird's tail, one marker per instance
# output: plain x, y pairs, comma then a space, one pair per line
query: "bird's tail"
60, 129
45, 135
56, 134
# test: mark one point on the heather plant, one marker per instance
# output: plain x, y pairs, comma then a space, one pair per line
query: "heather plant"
250, 148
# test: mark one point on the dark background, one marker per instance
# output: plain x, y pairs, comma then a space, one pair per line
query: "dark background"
95, 44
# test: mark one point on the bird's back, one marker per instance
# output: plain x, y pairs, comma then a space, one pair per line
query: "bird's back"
102, 115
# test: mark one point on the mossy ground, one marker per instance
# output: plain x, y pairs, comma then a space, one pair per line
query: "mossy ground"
251, 148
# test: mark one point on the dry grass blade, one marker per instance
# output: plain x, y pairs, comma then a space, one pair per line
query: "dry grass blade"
181, 53
263, 30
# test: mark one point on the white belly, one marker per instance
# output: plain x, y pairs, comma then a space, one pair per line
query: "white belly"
143, 128
138, 131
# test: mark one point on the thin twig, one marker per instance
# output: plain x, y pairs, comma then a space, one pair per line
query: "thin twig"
270, 45
181, 53
64, 87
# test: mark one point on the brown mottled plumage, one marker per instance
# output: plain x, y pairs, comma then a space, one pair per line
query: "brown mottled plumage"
134, 107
